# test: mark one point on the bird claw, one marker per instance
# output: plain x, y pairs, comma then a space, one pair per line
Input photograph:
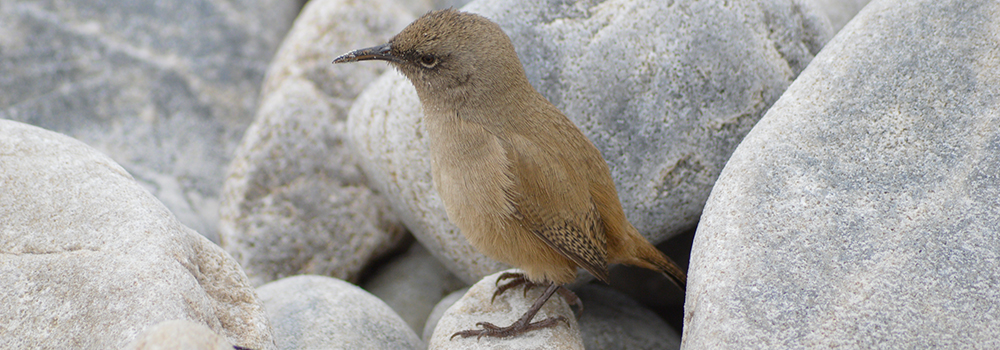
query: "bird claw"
492, 330
517, 279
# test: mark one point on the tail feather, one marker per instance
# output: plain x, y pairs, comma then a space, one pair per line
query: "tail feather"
658, 261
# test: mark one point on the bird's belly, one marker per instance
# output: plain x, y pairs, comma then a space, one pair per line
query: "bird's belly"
471, 173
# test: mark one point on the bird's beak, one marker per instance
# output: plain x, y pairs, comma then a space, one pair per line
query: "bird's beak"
381, 52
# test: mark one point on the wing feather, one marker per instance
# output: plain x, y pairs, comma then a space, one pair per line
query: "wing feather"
552, 197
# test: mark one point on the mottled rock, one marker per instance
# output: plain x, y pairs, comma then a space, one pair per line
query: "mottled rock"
317, 312
611, 320
861, 212
477, 306
412, 283
295, 200
89, 258
666, 90
166, 87
179, 334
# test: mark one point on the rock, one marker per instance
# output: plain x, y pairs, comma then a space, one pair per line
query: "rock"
476, 306
412, 284
295, 200
611, 320
439, 310
316, 312
89, 258
179, 334
861, 212
839, 12
666, 90
164, 87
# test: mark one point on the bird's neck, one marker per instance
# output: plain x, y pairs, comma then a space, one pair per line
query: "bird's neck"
496, 106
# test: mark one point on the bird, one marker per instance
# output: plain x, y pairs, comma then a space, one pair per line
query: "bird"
523, 184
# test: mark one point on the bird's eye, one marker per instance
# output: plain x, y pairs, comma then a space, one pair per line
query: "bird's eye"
428, 61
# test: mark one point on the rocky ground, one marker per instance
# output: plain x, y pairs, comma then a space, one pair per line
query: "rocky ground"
199, 175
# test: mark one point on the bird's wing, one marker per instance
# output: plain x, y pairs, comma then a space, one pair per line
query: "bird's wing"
552, 197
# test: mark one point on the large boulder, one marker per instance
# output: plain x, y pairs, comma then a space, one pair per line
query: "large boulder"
862, 210
165, 87
89, 258
665, 89
295, 200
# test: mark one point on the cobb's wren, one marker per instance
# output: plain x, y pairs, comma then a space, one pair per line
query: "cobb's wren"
519, 179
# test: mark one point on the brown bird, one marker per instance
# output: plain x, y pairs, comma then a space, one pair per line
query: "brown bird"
519, 179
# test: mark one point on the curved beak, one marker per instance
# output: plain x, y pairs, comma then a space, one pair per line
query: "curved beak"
381, 52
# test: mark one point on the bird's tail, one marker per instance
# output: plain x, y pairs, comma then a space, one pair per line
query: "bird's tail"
653, 259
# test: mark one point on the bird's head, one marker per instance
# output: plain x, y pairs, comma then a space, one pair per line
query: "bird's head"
450, 56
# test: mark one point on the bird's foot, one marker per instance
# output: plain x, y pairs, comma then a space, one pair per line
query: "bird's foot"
518, 328
522, 324
517, 279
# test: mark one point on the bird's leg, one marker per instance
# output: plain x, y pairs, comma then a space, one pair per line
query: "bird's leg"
517, 279
520, 326
571, 298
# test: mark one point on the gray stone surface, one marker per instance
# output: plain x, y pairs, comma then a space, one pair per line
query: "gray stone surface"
317, 312
89, 258
439, 310
412, 283
839, 12
613, 321
166, 87
862, 211
666, 90
295, 200
179, 334
477, 306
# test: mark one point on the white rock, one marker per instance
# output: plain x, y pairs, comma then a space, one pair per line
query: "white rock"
412, 283
179, 334
862, 211
476, 306
165, 87
295, 200
89, 258
316, 312
666, 90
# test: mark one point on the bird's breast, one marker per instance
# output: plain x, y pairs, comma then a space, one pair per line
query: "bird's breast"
472, 173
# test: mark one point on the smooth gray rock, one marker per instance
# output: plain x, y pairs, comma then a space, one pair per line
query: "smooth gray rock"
862, 211
477, 305
165, 87
412, 283
839, 12
89, 258
179, 334
665, 89
317, 312
295, 200
439, 310
613, 321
